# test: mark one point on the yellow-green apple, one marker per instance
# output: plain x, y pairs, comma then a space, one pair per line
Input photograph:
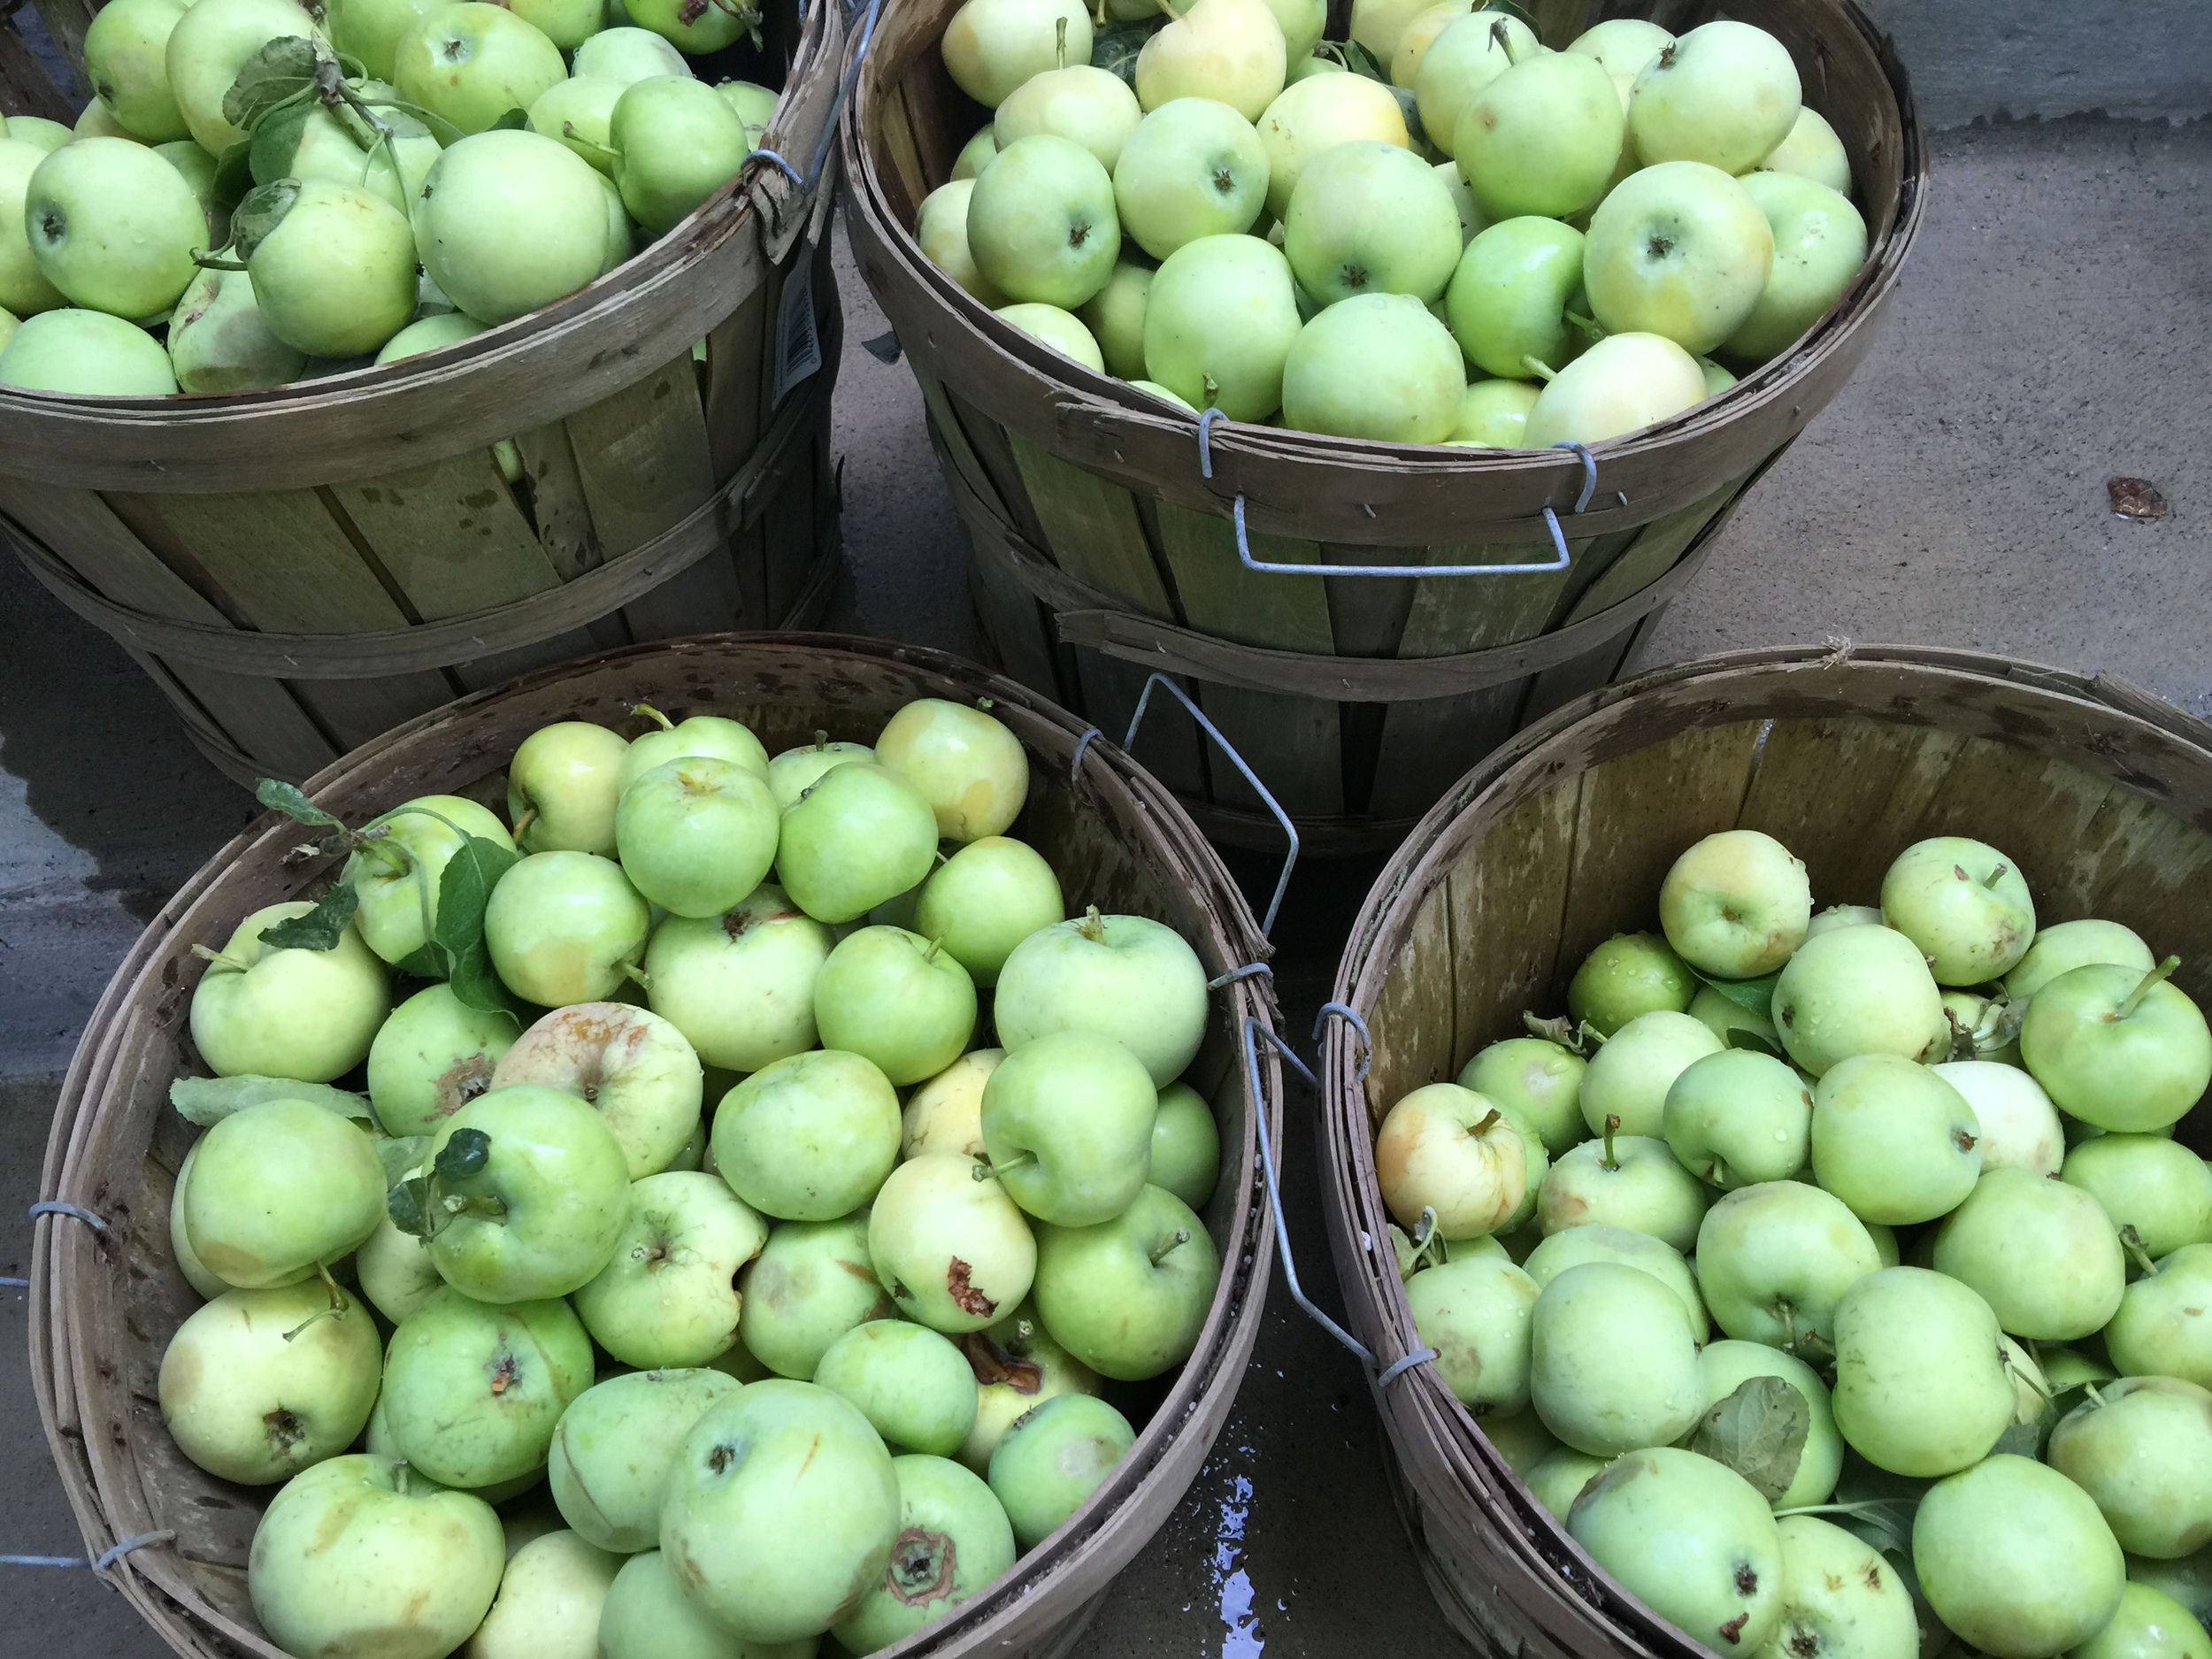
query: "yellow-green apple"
112, 227
1472, 50
696, 835
1739, 1116
580, 113
1628, 1078
396, 874
1628, 975
370, 29
940, 226
628, 54
2015, 1558
1494, 415
647, 1616
810, 1138
1018, 1366
634, 1068
1679, 249
258, 1384
563, 787
1475, 1311
1599, 1243
510, 221
1314, 117
1377, 24
1218, 324
126, 59
948, 1243
859, 836
668, 1297
1541, 1081
1964, 904
548, 1600
1690, 1537
208, 46
333, 266
1124, 977
343, 1539
991, 47
976, 154
40, 134
1622, 45
1510, 295
1129, 1296
900, 1001
471, 63
1812, 151
756, 106
338, 146
954, 1538
1855, 990
1418, 35
1372, 218
1229, 50
395, 1270
739, 986
912, 1384
1894, 1140
2119, 1048
1449, 1151
1472, 220
2019, 1125
1632, 1181
1115, 316
433, 1056
2064, 945
24, 287
2162, 1189
474, 1391
1612, 1363
1724, 94
615, 1445
562, 927
279, 1189
676, 142
427, 335
196, 1272
968, 766
985, 900
1303, 22
1622, 383
1774, 1259
695, 30
946, 1113
1374, 366
1041, 225
812, 1282
219, 342
1736, 904
707, 735
1054, 1458
267, 1010
1544, 137
1091, 106
2042, 1253
1819, 244
1063, 330
2142, 1448
1067, 1121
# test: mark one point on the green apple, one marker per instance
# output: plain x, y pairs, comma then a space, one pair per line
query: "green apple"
2043, 1255
125, 60
992, 47
563, 787
812, 1282
469, 64
1623, 46
614, 1445
697, 31
580, 113
1220, 323
113, 227
1053, 1459
1475, 1311
562, 927
1855, 990
1632, 1181
1819, 244
1628, 975
289, 1013
1894, 1140
859, 836
949, 1244
1041, 225
781, 1511
946, 1113
473, 1392
1736, 904
279, 1189
696, 835
1724, 94
1723, 1015
1114, 317
396, 875
967, 765
976, 154
1017, 1366
756, 107
647, 1616
1509, 296
510, 221
1377, 367
1129, 1296
1521, 1441
1369, 217
370, 29
912, 1384
44, 135
2014, 1559
810, 1138
1451, 1152
1679, 249
700, 734
633, 1067
1544, 137
1964, 904
627, 55
2141, 1448
2119, 1047
1690, 1538
549, 1600
1598, 1242
1922, 1386
333, 266
1472, 49
2149, 1183
340, 146
345, 1541
395, 1270
898, 999
2064, 945
739, 987
1193, 167
431, 1057
677, 143
1153, 388
1229, 50
985, 900
668, 1297
2159, 1330
1738, 1117
1314, 117
1622, 384
1537, 1081
1067, 1120
1612, 1363
1841, 1599
954, 1538
1064, 331
1629, 1076
1559, 1476
1726, 1365
24, 287
259, 1384
1376, 25
207, 47
2149, 1622
1124, 977
2019, 1126
1090, 106
1418, 36
940, 226
1812, 151
1185, 1145
219, 342
197, 1274
1774, 1260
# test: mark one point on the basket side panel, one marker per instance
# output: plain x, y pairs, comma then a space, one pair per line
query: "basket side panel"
450, 534
1413, 1018
1093, 531
1507, 896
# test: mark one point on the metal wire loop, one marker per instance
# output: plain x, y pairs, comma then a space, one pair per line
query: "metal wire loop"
1589, 470
1144, 699
1205, 442
14, 1283
75, 1212
1075, 766
1254, 1031
1400, 571
1249, 971
1418, 1357
101, 1563
789, 172
1366, 1042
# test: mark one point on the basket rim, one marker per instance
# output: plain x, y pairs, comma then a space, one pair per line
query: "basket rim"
1478, 1475
1051, 1581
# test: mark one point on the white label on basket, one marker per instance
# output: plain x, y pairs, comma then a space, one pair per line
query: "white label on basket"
798, 349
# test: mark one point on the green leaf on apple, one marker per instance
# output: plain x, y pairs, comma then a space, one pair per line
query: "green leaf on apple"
253, 219
515, 120
399, 1154
1759, 1432
276, 142
1755, 996
321, 928
465, 1153
1115, 48
409, 1206
1740, 1037
426, 961
207, 1101
292, 800
281, 69
457, 934
234, 177
1359, 60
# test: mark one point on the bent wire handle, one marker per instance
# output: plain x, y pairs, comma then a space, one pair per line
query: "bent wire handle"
807, 180
1129, 742
1400, 572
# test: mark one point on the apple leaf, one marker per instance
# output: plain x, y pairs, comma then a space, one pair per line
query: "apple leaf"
1553, 22
292, 800
321, 928
253, 219
515, 120
1757, 995
276, 140
1759, 1432
281, 69
399, 1154
207, 1101
1360, 61
1739, 1037
234, 177
463, 889
465, 1153
409, 1206
1115, 48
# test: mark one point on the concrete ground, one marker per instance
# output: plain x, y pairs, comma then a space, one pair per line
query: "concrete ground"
2050, 333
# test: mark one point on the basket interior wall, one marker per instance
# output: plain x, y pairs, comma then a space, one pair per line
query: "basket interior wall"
1108, 844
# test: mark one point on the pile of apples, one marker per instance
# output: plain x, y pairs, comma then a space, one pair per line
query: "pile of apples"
1916, 1162
262, 193
825, 1357
1438, 232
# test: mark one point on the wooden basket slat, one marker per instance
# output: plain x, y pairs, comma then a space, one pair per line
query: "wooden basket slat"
1219, 596
556, 501
1421, 741
1294, 744
643, 455
992, 445
951, 439
1093, 529
448, 534
735, 399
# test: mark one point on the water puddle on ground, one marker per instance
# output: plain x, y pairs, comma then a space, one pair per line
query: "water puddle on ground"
1241, 1638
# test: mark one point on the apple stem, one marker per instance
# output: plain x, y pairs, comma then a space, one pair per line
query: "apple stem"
206, 955
1181, 1238
1612, 1128
528, 817
1091, 927
1488, 1118
821, 741
1589, 325
651, 713
2156, 976
636, 970
1505, 41
1173, 15
1213, 391
1993, 876
210, 261
1541, 371
1059, 42
2132, 1242
987, 1171
931, 954
575, 139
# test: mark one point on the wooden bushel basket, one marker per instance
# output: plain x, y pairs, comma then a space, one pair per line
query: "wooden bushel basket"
105, 1301
301, 568
1560, 840
1101, 554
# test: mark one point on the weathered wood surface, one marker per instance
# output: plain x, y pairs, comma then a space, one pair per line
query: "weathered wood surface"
103, 1306
1559, 840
